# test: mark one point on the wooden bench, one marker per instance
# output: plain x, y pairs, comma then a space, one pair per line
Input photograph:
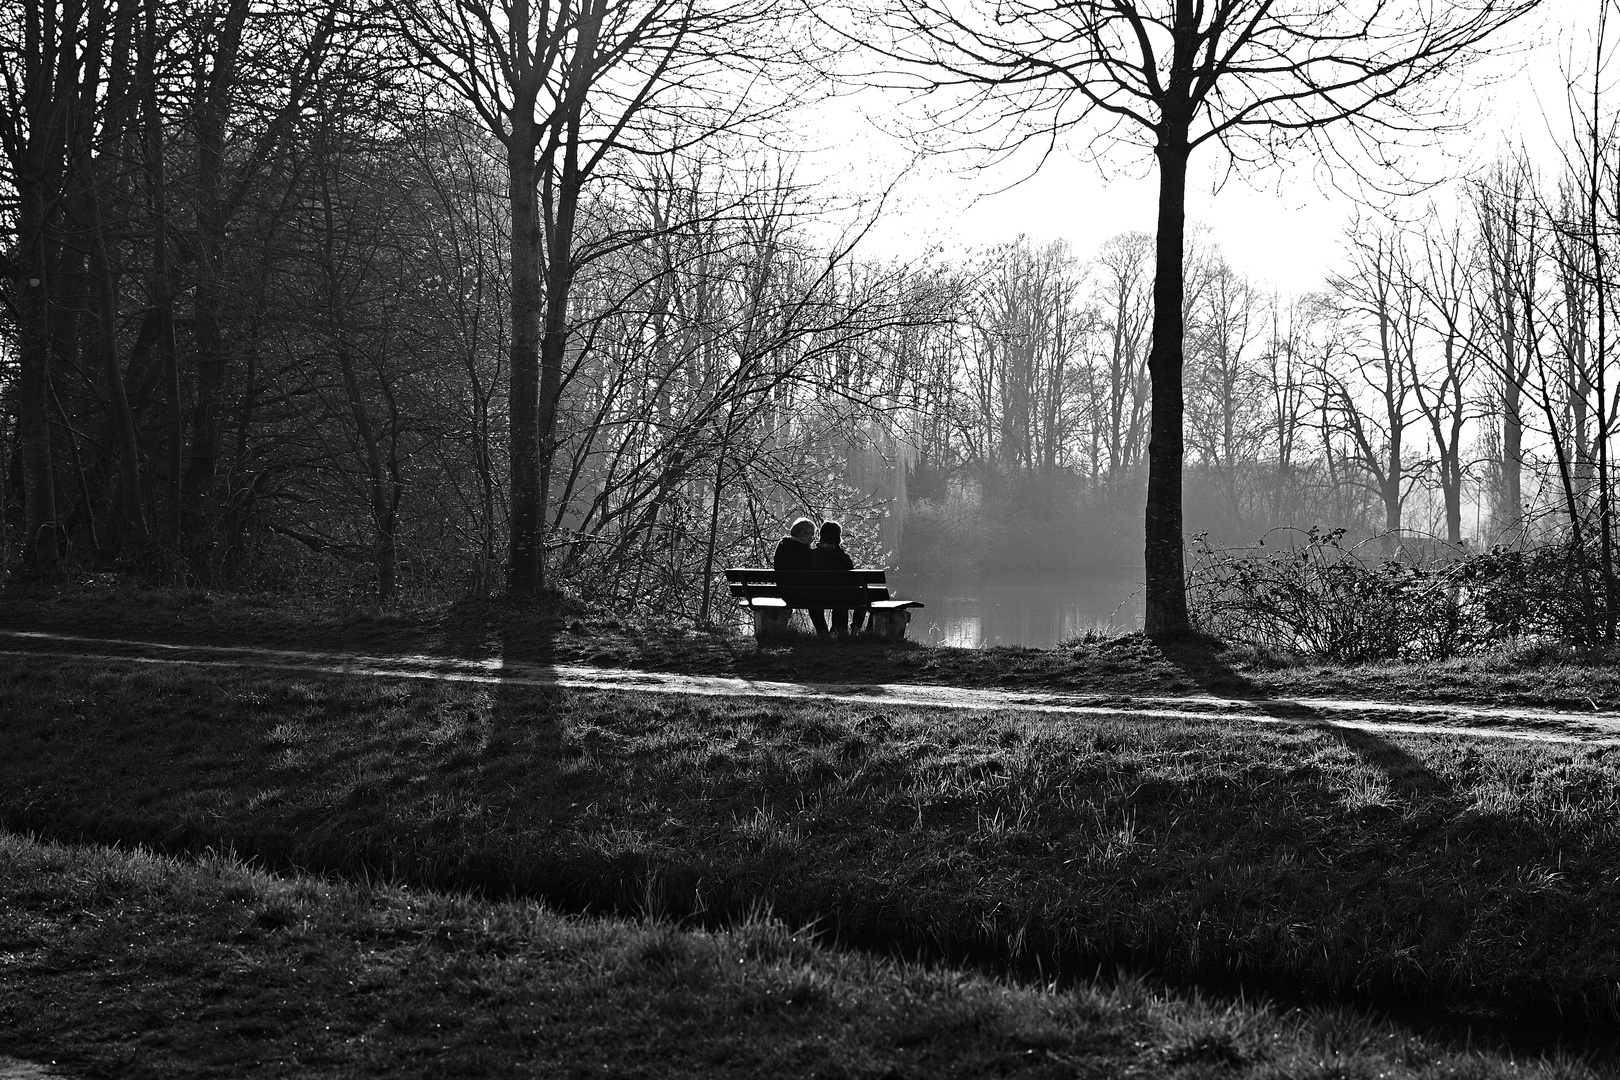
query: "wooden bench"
771, 597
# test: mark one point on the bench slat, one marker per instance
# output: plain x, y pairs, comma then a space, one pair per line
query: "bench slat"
751, 575
826, 598
873, 593
876, 605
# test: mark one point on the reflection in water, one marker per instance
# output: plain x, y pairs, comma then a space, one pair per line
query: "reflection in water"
1032, 608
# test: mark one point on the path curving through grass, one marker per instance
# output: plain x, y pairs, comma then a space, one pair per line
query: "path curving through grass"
1596, 727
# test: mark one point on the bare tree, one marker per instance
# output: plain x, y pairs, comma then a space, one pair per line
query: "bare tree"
1029, 331
1288, 360
1379, 291
46, 50
1224, 386
1121, 409
235, 45
1443, 387
1254, 77
571, 88
1505, 208
715, 360
1595, 172
463, 173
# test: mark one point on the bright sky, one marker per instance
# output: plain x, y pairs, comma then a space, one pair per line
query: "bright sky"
1277, 225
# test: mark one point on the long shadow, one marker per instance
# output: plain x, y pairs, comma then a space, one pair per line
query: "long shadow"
1203, 662
510, 828
521, 635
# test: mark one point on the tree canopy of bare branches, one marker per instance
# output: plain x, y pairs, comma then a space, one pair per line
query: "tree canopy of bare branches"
575, 91
1255, 77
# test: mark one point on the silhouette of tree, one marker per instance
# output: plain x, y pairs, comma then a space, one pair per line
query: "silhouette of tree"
1256, 78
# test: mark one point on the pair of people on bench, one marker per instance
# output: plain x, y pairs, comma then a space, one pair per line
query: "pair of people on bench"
801, 550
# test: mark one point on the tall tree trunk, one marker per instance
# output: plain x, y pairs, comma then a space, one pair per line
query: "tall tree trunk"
525, 573
1600, 360
1390, 492
211, 113
129, 450
160, 285
34, 385
1166, 607
89, 175
49, 64
1451, 485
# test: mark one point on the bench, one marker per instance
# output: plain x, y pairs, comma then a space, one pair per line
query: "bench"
772, 596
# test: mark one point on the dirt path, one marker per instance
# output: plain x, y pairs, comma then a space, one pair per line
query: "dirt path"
1533, 725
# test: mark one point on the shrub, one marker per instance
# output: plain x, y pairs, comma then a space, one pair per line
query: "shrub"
1551, 592
1313, 593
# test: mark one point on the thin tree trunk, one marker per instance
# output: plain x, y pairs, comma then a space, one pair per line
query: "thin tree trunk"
1166, 613
377, 479
1600, 301
78, 469
1573, 509
714, 532
33, 391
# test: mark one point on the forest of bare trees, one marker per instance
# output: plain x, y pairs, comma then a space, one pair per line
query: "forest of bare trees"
421, 299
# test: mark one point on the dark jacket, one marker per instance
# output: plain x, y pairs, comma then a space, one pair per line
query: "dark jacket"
792, 556
830, 557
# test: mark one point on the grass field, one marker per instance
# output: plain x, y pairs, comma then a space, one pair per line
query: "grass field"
129, 965
1416, 875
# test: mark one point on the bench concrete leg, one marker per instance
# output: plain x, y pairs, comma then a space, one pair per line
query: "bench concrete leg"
890, 625
771, 621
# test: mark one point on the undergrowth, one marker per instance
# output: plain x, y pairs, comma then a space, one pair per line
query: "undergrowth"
1309, 591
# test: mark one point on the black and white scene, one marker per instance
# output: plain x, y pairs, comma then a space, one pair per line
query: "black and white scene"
810, 539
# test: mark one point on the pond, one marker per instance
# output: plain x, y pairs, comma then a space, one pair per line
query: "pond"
1033, 608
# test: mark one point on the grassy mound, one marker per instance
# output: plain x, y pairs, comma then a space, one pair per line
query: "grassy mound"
130, 965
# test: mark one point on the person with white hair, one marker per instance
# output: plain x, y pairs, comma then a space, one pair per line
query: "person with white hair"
793, 555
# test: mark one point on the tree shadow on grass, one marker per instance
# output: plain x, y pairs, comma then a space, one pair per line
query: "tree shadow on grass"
552, 825
1203, 660
520, 637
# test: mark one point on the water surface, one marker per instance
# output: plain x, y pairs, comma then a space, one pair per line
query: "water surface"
1033, 608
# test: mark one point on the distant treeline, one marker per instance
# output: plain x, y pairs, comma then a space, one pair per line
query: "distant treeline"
1455, 378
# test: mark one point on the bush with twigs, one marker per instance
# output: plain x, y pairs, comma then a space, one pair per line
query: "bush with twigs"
1309, 591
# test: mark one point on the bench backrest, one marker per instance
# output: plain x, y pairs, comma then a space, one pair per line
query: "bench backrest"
810, 588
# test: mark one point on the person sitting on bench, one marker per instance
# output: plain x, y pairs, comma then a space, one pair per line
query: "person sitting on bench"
829, 554
793, 555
